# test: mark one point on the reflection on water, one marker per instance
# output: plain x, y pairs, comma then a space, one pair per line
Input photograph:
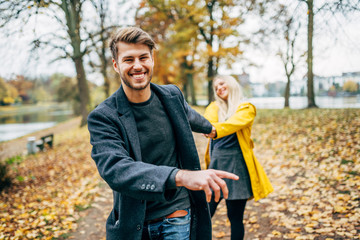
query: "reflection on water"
55, 116
16, 125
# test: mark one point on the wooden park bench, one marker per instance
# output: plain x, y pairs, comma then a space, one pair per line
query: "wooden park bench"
45, 140
41, 144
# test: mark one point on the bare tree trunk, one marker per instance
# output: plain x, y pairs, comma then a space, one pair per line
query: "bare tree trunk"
287, 92
106, 78
103, 10
184, 79
104, 66
72, 10
210, 76
310, 75
83, 89
185, 91
190, 80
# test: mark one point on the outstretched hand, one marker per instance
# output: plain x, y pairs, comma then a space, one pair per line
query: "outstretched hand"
212, 134
205, 180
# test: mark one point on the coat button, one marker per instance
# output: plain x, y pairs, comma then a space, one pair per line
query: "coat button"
138, 227
148, 187
143, 186
152, 187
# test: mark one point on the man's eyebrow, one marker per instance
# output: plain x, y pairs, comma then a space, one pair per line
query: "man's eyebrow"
127, 57
142, 55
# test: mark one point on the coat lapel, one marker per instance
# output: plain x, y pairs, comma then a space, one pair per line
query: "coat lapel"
127, 118
183, 134
172, 105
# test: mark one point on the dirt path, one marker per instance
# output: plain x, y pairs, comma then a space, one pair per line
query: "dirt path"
18, 146
92, 223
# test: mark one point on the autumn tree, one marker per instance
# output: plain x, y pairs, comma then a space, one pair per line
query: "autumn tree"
3, 89
23, 86
8, 93
350, 86
218, 23
215, 25
64, 88
177, 41
158, 13
209, 31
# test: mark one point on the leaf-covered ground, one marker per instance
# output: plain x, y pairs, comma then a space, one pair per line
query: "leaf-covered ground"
49, 190
311, 157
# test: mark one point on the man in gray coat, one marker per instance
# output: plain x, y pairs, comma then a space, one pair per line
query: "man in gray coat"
144, 149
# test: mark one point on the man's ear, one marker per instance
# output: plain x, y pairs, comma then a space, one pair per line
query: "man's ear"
115, 66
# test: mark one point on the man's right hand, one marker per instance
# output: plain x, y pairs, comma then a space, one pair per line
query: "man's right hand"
205, 180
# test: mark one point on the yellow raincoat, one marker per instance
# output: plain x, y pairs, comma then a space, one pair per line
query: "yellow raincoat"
241, 123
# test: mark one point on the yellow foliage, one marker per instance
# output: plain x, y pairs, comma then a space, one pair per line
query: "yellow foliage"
8, 100
350, 86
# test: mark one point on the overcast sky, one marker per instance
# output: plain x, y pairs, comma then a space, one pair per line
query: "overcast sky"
336, 50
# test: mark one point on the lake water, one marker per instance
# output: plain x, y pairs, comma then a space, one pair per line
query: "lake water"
14, 125
301, 102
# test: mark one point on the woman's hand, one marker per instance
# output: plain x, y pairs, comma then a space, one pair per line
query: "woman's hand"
212, 134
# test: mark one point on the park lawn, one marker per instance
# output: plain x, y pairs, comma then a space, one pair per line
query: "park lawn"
311, 157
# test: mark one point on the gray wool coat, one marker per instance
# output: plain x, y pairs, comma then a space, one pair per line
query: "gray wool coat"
117, 154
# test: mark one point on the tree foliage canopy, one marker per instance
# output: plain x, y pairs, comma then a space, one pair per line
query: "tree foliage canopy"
196, 36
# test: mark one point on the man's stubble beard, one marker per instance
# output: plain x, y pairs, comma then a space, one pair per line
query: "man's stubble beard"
128, 84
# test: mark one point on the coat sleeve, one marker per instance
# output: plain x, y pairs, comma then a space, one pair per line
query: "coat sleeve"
116, 166
243, 118
197, 122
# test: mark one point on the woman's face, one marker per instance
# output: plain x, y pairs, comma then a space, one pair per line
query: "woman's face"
221, 89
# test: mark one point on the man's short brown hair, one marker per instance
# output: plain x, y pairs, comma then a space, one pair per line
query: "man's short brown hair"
130, 35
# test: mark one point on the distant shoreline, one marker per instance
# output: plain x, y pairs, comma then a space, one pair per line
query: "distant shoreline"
25, 109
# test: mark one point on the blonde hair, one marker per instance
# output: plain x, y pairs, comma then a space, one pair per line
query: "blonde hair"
235, 97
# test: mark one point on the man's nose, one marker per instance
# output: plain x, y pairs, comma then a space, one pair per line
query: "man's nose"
137, 64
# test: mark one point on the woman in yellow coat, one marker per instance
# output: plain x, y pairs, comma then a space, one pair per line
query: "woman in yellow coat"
232, 150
